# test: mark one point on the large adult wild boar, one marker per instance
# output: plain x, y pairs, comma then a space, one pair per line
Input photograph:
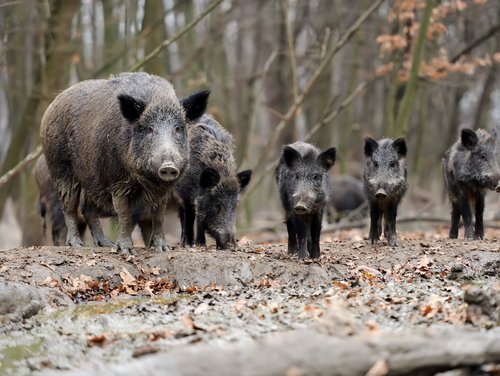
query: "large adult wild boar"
122, 141
211, 186
470, 167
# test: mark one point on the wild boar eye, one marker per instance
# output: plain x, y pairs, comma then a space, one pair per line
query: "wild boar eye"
179, 129
297, 176
375, 164
316, 177
483, 157
392, 164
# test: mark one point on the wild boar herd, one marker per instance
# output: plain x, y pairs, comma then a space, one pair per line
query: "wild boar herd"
128, 147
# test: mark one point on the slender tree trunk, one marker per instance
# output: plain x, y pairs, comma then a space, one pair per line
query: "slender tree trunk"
407, 101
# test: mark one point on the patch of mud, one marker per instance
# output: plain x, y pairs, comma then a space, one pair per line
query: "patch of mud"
100, 307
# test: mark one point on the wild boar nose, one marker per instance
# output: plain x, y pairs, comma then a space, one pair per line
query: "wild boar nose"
381, 193
300, 208
168, 172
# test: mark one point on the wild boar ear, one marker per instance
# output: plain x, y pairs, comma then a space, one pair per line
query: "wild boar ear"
195, 104
131, 108
209, 178
327, 158
370, 146
290, 156
468, 138
244, 178
399, 145
493, 133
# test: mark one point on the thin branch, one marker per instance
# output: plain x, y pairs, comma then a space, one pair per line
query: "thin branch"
168, 42
476, 43
300, 99
291, 49
9, 175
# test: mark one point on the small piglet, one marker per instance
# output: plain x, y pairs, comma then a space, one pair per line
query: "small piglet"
121, 142
470, 167
385, 184
303, 184
210, 189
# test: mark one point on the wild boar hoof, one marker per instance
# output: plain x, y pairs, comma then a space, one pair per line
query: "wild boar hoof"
75, 242
125, 246
104, 243
159, 244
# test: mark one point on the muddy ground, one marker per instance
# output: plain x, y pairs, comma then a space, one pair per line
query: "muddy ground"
68, 309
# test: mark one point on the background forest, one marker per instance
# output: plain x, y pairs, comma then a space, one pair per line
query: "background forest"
327, 71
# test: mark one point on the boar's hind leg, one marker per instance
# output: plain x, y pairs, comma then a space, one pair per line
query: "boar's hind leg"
91, 213
292, 236
158, 237
70, 197
467, 217
456, 211
124, 213
479, 228
314, 250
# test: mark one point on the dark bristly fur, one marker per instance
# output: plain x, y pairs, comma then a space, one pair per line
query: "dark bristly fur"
385, 184
210, 188
121, 141
303, 184
470, 168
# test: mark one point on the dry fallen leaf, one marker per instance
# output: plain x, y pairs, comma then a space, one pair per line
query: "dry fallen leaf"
244, 241
380, 368
96, 340
145, 350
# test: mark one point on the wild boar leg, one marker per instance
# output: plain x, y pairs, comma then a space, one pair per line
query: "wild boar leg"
70, 197
292, 236
479, 209
158, 237
91, 214
124, 212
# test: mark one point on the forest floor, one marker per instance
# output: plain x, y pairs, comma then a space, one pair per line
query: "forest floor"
95, 311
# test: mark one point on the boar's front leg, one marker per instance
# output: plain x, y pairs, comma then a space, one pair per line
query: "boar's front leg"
302, 236
314, 250
157, 236
200, 234
479, 227
375, 223
292, 236
456, 211
467, 217
91, 213
187, 221
391, 212
124, 212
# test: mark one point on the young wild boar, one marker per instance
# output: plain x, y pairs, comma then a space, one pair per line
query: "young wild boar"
348, 194
122, 141
210, 188
303, 184
385, 184
470, 167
